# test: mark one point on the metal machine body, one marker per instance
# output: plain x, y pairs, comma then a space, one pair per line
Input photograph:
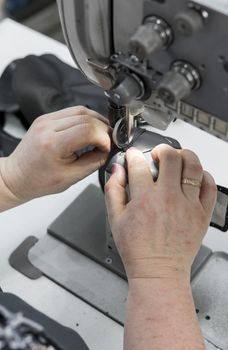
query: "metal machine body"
169, 58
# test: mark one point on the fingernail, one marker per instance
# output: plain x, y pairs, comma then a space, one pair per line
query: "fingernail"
118, 172
114, 168
132, 149
135, 152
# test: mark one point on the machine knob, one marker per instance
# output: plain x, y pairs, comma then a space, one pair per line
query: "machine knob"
150, 37
178, 82
188, 22
128, 89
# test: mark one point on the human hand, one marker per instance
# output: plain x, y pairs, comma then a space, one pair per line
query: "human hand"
158, 232
46, 162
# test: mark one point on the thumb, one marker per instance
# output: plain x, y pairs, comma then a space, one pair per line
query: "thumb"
115, 192
87, 164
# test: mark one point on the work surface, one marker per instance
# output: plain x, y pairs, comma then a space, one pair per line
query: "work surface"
99, 332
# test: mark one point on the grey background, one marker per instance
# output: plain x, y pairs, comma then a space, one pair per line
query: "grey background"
45, 21
1, 11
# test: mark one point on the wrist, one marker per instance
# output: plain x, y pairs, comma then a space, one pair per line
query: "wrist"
9, 197
157, 268
160, 290
181, 279
158, 308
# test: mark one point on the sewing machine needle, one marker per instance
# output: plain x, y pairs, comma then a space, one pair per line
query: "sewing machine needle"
130, 126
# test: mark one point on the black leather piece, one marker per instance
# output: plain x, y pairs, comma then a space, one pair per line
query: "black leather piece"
8, 101
221, 211
27, 9
34, 86
66, 338
40, 85
144, 141
45, 84
7, 143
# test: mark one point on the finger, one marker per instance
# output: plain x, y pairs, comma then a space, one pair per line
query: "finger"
69, 122
170, 166
84, 135
192, 170
75, 111
99, 116
139, 173
208, 193
64, 113
115, 192
86, 165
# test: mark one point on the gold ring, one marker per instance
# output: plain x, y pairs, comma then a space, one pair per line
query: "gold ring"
191, 182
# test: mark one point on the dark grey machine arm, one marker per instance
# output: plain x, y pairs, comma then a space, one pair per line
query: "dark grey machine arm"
87, 29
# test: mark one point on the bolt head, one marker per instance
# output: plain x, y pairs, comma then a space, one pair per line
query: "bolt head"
108, 261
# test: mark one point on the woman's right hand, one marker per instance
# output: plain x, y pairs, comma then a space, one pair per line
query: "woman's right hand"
158, 232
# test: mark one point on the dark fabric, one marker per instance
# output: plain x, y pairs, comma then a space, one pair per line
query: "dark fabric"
39, 85
7, 143
34, 86
22, 9
8, 102
66, 338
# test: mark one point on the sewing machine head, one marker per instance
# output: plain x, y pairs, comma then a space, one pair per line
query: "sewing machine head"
156, 60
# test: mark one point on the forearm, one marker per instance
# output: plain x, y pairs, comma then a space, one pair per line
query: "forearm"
8, 199
161, 315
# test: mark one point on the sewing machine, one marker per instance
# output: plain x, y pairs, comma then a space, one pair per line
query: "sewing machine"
147, 57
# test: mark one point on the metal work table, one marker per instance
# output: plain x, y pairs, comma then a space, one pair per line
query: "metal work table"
34, 217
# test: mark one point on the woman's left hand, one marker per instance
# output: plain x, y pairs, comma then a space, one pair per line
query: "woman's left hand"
46, 161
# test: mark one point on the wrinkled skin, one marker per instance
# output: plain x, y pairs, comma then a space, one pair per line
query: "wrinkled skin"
45, 161
159, 231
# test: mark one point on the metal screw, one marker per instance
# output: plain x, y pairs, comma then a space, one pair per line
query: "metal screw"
108, 261
134, 59
117, 96
205, 14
